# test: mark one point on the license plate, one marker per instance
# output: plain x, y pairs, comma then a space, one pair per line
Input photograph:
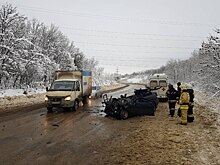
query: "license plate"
55, 102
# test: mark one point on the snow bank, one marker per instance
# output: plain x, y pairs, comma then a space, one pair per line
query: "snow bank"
20, 101
207, 100
209, 108
19, 92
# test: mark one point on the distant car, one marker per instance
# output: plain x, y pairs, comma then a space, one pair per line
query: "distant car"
96, 91
142, 103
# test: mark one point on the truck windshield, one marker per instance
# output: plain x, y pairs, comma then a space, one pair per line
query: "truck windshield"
63, 86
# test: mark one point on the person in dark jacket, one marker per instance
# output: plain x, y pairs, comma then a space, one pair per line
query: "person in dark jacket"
178, 97
178, 90
190, 116
172, 95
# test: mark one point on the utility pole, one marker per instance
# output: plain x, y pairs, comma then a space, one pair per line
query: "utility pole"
117, 71
117, 75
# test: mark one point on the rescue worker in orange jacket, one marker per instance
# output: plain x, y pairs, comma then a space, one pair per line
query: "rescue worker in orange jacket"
184, 103
172, 98
190, 116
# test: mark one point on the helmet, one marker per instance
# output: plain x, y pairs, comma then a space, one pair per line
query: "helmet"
179, 83
189, 86
170, 86
183, 87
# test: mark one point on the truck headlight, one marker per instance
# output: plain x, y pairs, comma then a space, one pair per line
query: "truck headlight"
46, 98
68, 98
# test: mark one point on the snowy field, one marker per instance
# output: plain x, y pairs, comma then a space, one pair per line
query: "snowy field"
136, 79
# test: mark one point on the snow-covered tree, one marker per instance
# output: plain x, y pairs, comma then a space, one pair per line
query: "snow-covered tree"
11, 43
31, 51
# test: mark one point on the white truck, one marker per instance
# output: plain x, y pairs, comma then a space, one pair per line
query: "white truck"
68, 89
159, 84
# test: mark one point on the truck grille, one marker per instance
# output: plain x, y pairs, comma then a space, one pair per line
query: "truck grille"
55, 99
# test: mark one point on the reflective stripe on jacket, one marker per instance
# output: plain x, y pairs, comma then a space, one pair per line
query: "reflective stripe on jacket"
184, 107
184, 98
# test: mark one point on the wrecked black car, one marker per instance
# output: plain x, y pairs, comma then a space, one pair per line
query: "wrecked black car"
143, 102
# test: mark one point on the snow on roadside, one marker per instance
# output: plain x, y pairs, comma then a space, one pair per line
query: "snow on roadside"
9, 102
206, 100
212, 107
19, 92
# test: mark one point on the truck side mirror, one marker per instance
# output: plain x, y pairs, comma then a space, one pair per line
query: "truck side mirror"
47, 89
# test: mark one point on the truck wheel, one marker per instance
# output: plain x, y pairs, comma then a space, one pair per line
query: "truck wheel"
49, 109
76, 105
123, 114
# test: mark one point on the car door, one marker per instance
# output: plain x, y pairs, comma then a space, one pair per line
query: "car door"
138, 107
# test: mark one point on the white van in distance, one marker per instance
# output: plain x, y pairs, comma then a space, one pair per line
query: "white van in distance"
159, 84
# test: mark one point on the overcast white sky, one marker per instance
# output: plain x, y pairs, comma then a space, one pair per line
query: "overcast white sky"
133, 35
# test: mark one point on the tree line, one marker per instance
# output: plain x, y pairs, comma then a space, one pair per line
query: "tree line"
30, 51
202, 69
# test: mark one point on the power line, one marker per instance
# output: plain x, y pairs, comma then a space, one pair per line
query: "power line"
119, 58
124, 65
140, 20
133, 60
139, 46
134, 52
129, 33
120, 37
78, 14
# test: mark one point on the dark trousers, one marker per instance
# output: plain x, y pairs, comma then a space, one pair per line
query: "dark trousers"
172, 108
190, 116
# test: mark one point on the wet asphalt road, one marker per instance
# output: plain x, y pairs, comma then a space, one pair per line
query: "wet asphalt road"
35, 137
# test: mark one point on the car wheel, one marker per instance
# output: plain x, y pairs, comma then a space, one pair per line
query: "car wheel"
76, 105
123, 114
49, 109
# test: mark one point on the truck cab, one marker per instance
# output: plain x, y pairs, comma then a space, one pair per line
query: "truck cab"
68, 90
158, 83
